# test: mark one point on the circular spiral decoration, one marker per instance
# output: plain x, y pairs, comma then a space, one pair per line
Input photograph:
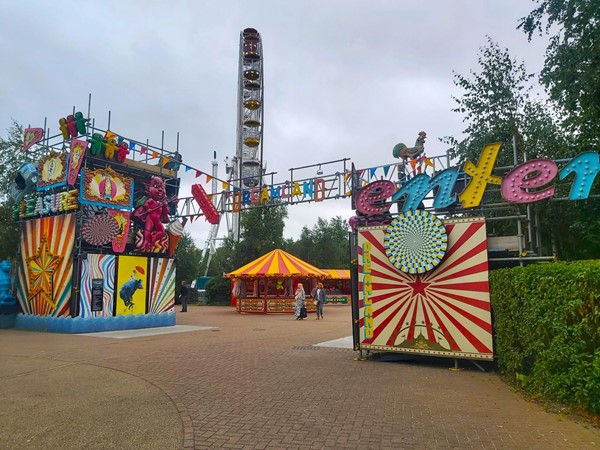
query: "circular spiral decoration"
99, 230
416, 241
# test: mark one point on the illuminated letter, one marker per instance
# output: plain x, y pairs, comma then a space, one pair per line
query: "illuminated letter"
417, 188
245, 197
307, 188
275, 192
585, 167
236, 204
515, 181
369, 199
264, 197
319, 189
296, 190
481, 176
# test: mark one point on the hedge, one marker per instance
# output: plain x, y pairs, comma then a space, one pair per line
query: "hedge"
218, 291
547, 329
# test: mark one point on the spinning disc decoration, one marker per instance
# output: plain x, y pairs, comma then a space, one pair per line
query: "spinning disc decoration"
416, 242
100, 230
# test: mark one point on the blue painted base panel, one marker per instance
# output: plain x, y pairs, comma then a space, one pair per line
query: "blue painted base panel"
93, 324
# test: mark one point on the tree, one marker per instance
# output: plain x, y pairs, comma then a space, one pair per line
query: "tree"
188, 259
497, 105
262, 231
325, 245
571, 71
11, 158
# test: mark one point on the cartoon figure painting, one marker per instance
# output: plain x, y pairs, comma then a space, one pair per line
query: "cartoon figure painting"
132, 286
152, 214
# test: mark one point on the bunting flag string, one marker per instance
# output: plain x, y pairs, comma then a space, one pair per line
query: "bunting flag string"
386, 169
131, 145
225, 185
372, 171
208, 178
187, 168
198, 173
143, 150
155, 154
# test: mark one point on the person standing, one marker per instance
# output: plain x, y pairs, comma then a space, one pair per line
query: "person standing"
300, 296
320, 297
183, 296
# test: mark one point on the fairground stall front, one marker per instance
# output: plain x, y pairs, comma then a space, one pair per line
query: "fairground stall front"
267, 284
337, 287
98, 230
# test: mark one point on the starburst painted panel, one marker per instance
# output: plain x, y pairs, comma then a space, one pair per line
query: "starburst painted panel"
161, 280
46, 266
444, 312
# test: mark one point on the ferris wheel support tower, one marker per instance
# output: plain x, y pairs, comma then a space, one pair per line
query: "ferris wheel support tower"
246, 169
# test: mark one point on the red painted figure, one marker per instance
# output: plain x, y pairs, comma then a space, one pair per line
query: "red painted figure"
153, 213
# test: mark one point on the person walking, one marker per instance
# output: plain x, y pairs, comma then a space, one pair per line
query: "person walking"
300, 296
183, 296
320, 298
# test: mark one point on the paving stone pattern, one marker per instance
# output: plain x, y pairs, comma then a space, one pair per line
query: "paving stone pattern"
257, 382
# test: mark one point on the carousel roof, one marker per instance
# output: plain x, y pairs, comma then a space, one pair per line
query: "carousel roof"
338, 274
277, 264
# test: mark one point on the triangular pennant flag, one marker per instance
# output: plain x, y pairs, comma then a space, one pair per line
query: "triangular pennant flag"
386, 169
346, 176
187, 168
210, 196
208, 178
372, 171
192, 218
198, 173
109, 134
120, 139
164, 160
225, 185
131, 145
143, 150
360, 172
154, 155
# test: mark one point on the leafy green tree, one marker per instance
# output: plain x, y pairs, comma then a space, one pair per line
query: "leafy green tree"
188, 259
571, 71
325, 245
497, 105
262, 231
11, 158
9, 232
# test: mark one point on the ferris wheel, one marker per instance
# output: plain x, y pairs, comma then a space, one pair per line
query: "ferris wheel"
250, 110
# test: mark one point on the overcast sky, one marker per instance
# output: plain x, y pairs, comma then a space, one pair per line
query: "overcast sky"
342, 79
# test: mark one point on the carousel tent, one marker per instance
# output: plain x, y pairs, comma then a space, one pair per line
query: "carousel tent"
338, 274
277, 264
266, 285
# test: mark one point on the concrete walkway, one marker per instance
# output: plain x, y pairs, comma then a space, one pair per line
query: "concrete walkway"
226, 380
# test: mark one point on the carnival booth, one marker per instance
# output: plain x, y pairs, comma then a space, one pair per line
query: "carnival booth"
99, 227
337, 287
267, 284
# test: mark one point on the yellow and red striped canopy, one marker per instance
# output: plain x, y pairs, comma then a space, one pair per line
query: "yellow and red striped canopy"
277, 264
338, 274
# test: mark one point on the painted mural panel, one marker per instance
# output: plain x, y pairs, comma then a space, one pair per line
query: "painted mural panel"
161, 279
46, 269
97, 267
132, 286
443, 312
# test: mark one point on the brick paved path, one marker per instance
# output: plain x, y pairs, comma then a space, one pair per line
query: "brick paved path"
256, 382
